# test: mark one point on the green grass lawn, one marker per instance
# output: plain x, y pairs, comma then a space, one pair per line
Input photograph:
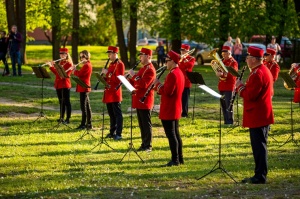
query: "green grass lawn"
39, 159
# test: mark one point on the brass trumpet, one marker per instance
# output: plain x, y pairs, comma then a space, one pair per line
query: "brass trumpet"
293, 74
217, 64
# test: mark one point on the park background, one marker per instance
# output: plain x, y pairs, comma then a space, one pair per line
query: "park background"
40, 160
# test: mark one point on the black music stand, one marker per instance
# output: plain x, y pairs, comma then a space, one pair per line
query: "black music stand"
101, 79
195, 78
84, 85
291, 86
42, 73
62, 74
103, 140
219, 164
131, 89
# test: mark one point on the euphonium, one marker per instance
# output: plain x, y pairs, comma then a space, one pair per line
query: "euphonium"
217, 64
293, 74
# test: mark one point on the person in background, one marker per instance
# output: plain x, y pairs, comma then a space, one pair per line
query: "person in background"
276, 47
141, 82
170, 106
63, 85
229, 43
237, 51
84, 74
186, 64
160, 51
257, 111
226, 84
271, 64
3, 53
14, 45
112, 96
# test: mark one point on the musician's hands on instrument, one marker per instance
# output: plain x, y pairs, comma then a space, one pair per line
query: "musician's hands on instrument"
131, 72
294, 65
104, 71
238, 83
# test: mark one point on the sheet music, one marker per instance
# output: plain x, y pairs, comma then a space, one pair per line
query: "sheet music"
126, 83
210, 91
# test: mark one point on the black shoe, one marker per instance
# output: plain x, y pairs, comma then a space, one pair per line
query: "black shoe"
117, 137
89, 127
253, 180
141, 148
81, 127
60, 120
181, 161
110, 135
170, 164
67, 121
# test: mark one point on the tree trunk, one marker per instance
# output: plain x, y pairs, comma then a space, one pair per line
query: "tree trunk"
11, 16
132, 32
117, 10
175, 30
75, 33
297, 7
224, 31
56, 29
21, 24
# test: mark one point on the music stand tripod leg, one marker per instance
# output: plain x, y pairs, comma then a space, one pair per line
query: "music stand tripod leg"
131, 147
219, 163
103, 140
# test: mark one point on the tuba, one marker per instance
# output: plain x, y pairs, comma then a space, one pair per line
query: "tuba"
293, 74
217, 64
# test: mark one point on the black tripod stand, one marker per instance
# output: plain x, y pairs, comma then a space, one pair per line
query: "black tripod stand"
291, 86
219, 164
195, 78
291, 137
131, 147
102, 140
42, 73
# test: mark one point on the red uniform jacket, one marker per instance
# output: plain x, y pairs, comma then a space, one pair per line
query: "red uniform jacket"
110, 93
62, 82
274, 68
171, 92
297, 81
227, 83
141, 82
257, 96
85, 75
187, 65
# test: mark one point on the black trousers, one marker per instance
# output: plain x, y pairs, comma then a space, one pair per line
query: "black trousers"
259, 138
63, 95
160, 60
116, 117
171, 128
185, 102
144, 119
86, 112
3, 59
228, 116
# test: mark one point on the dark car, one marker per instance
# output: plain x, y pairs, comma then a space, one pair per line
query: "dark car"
246, 46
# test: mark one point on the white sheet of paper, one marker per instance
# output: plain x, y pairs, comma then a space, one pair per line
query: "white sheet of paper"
210, 91
126, 83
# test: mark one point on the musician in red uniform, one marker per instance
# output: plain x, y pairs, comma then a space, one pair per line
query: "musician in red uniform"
258, 112
186, 64
63, 85
84, 74
141, 81
296, 69
227, 84
271, 64
170, 106
112, 95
